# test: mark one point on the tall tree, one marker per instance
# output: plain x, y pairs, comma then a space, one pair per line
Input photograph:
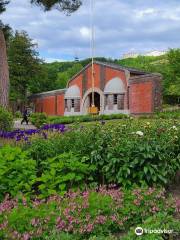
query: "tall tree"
24, 65
67, 6
4, 73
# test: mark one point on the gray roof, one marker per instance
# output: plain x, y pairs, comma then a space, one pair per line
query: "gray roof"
49, 93
119, 67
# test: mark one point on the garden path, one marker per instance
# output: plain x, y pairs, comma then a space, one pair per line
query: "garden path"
18, 125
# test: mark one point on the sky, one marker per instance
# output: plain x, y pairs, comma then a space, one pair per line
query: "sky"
121, 26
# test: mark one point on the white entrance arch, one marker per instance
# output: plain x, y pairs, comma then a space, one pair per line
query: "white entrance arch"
85, 100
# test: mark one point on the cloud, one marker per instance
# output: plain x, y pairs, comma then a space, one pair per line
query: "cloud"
120, 26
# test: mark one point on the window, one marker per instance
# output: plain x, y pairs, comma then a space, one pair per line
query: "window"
115, 99
72, 103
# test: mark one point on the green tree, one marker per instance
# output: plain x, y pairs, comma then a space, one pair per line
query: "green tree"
63, 77
67, 6
24, 65
173, 74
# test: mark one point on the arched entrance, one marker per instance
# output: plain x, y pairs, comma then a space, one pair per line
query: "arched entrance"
98, 101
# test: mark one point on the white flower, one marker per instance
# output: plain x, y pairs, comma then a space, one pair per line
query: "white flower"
148, 123
174, 127
139, 133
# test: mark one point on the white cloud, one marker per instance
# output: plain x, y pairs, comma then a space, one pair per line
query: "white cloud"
50, 60
145, 12
119, 27
85, 32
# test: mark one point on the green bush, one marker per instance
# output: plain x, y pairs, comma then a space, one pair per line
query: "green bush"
38, 119
159, 221
120, 151
17, 171
66, 171
84, 118
18, 114
6, 120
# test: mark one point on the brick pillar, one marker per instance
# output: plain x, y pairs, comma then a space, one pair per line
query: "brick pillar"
68, 105
120, 101
110, 102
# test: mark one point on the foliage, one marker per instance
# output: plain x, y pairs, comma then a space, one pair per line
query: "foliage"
26, 72
73, 119
66, 171
63, 77
17, 171
6, 120
158, 221
131, 151
67, 6
84, 215
38, 119
174, 114
3, 4
17, 114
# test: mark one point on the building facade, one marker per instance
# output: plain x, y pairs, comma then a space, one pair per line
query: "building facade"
117, 89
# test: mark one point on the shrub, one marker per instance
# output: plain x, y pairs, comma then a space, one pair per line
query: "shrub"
85, 118
17, 171
120, 151
66, 171
17, 114
6, 120
160, 221
38, 119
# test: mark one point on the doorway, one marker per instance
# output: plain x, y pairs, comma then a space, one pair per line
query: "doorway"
96, 100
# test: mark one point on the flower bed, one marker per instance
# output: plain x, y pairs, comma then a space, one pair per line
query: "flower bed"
81, 215
55, 165
133, 151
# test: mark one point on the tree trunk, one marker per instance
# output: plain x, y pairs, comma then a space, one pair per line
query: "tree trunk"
4, 73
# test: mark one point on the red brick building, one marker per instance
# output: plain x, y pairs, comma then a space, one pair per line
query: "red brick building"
117, 90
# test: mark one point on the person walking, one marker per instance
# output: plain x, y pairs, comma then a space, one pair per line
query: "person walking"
25, 117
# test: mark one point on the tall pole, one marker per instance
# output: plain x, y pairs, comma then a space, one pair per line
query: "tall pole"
92, 49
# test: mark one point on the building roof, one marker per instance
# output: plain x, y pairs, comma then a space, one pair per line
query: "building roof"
49, 93
119, 67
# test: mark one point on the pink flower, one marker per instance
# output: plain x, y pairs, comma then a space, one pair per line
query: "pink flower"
137, 202
35, 222
60, 224
100, 219
26, 236
89, 228
3, 225
114, 218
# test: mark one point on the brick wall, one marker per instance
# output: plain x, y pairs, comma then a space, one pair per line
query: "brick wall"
145, 94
